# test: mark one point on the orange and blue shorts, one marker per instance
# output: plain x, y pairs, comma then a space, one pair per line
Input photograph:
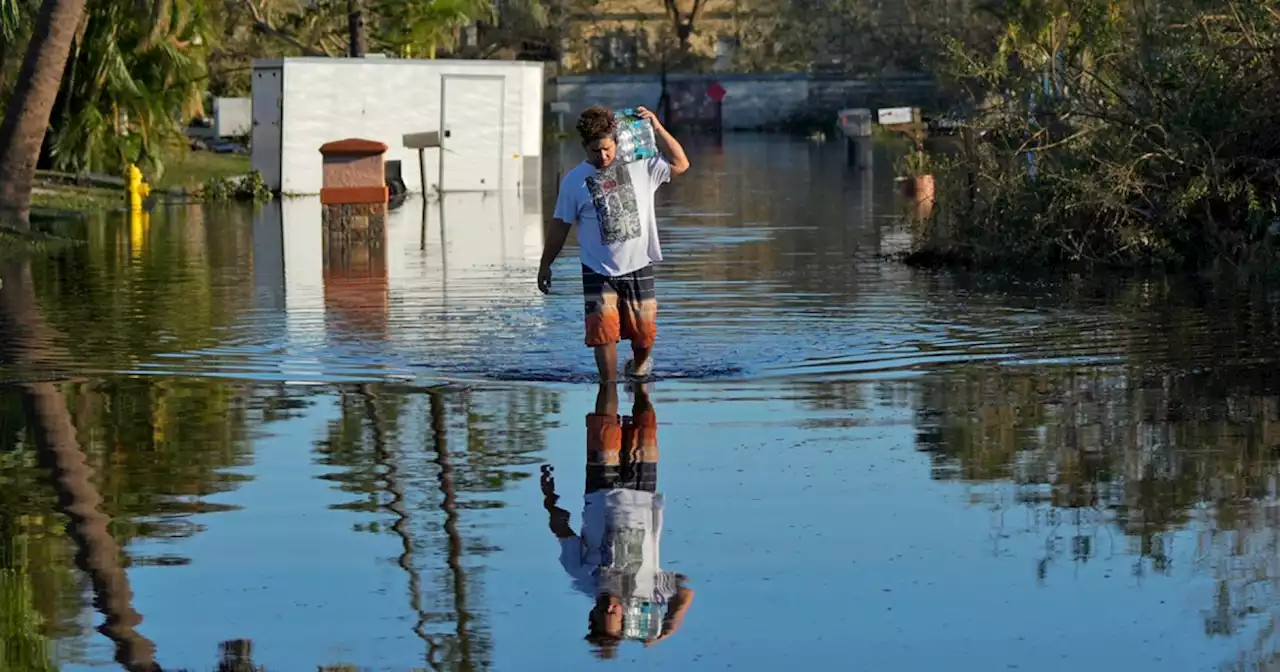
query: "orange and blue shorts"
620, 307
622, 452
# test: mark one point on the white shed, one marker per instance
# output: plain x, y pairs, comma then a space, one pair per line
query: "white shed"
488, 113
232, 117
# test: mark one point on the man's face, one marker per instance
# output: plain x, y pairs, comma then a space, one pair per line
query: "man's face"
606, 617
600, 152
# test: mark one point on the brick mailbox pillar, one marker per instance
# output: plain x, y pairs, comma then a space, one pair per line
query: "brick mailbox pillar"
356, 288
353, 193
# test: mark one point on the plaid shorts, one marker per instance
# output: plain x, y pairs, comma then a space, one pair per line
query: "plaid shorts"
621, 307
622, 452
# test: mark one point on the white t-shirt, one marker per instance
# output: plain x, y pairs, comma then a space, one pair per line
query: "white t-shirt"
613, 208
618, 549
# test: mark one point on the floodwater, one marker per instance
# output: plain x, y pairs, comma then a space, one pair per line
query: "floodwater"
224, 444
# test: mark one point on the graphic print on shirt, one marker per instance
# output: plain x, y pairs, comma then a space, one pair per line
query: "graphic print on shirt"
614, 197
624, 549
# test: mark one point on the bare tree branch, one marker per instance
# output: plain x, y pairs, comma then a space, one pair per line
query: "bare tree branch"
261, 23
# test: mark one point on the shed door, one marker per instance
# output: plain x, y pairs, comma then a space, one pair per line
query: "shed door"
267, 109
471, 133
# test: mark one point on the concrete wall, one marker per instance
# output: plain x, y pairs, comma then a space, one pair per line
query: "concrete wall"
832, 93
751, 102
583, 91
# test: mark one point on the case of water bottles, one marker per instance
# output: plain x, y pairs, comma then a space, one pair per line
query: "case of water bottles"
635, 137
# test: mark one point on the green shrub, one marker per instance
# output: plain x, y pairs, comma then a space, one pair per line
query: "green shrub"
1154, 145
250, 187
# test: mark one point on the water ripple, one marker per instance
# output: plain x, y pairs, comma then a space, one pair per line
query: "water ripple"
764, 286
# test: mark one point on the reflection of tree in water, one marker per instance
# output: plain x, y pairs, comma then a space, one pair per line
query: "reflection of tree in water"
101, 463
24, 635
157, 448
427, 459
162, 446
26, 343
38, 585
179, 293
838, 395
1116, 461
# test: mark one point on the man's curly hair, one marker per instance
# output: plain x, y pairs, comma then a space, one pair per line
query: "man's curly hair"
595, 123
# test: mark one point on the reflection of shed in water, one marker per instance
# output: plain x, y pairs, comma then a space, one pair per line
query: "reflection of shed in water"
460, 258
486, 231
465, 264
356, 285
469, 234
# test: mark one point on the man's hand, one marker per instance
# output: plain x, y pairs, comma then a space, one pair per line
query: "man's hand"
559, 523
678, 606
548, 483
678, 160
646, 113
544, 279
558, 518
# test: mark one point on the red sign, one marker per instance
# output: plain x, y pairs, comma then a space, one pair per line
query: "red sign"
716, 92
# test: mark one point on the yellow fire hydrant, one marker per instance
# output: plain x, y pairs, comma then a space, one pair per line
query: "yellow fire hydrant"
138, 189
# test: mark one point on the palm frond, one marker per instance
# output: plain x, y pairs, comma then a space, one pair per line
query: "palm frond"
12, 19
144, 74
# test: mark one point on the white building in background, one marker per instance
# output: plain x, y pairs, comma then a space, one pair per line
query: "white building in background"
232, 117
488, 114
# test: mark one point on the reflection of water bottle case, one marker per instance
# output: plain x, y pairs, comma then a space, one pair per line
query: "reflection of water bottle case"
635, 137
641, 619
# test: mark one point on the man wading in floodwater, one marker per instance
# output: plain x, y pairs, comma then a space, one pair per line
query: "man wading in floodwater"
616, 559
612, 204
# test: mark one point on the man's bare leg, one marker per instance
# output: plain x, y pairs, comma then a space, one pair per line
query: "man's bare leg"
607, 399
642, 403
640, 366
607, 362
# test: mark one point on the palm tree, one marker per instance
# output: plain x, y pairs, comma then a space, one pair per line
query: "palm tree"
27, 115
128, 84
14, 19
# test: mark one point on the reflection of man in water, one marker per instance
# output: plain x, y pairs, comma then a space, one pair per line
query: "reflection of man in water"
615, 560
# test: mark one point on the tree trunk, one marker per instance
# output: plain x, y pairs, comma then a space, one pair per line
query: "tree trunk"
58, 449
355, 29
683, 24
27, 117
